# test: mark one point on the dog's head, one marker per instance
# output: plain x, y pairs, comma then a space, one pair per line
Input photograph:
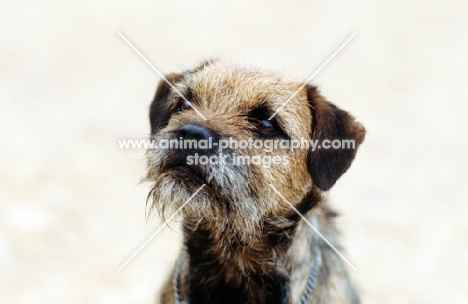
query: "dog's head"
240, 152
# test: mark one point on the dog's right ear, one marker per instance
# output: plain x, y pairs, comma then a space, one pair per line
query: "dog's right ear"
331, 123
159, 110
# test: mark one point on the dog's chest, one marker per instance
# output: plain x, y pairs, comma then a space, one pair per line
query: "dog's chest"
254, 289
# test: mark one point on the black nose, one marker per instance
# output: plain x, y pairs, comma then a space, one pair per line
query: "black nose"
190, 131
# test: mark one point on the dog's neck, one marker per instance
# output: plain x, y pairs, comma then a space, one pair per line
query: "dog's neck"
222, 270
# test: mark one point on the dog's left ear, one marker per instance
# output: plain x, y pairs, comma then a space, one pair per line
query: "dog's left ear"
159, 112
331, 123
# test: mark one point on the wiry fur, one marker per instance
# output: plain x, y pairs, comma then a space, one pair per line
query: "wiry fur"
243, 242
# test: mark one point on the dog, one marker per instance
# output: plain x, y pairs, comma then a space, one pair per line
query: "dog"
245, 240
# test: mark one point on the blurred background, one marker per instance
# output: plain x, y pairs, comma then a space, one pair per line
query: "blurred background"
72, 209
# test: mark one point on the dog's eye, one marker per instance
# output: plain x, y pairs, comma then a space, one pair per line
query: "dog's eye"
266, 126
181, 106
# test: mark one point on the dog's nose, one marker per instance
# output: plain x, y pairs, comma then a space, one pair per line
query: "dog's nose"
190, 131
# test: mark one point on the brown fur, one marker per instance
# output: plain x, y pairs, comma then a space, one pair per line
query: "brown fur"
243, 242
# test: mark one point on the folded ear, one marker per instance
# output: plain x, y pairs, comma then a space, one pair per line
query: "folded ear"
330, 123
159, 111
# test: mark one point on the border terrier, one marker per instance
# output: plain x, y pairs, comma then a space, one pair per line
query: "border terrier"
244, 238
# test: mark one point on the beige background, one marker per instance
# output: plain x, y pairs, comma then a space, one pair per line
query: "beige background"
71, 206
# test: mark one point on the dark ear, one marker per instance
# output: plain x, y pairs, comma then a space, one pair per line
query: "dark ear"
331, 123
159, 111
